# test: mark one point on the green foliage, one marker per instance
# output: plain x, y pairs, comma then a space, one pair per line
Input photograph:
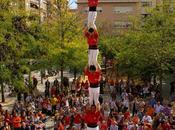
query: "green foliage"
147, 49
66, 43
18, 41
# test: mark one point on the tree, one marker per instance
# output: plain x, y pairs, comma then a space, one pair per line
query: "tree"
148, 50
21, 40
67, 50
10, 46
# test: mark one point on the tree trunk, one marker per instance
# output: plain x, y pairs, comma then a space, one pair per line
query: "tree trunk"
154, 80
2, 92
75, 73
62, 74
174, 75
161, 80
29, 76
41, 74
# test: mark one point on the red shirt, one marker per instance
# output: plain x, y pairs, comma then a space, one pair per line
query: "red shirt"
17, 122
86, 86
8, 119
104, 126
53, 91
92, 39
166, 126
92, 117
44, 104
92, 3
109, 122
61, 127
93, 77
77, 119
67, 120
126, 115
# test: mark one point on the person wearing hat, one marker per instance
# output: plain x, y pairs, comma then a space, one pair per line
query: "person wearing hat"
94, 76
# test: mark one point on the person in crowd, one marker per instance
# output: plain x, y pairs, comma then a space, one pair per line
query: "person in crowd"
47, 88
16, 121
56, 84
147, 121
54, 101
24, 126
158, 107
77, 119
1, 120
6, 126
74, 112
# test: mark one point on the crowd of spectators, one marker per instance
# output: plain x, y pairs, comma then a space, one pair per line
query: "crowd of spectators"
123, 106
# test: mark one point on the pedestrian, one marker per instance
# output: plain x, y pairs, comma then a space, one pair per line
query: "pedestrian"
47, 88
56, 84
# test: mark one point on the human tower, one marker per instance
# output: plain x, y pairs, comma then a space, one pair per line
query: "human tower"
93, 69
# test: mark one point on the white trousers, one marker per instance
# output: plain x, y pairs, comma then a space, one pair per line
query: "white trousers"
92, 57
92, 15
94, 95
96, 128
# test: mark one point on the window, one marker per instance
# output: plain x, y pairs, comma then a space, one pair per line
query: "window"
126, 9
99, 9
146, 4
120, 24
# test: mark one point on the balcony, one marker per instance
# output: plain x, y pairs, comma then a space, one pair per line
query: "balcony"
110, 1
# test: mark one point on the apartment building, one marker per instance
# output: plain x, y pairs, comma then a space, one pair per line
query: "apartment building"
117, 14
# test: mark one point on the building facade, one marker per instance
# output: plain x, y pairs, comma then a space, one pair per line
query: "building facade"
37, 6
117, 14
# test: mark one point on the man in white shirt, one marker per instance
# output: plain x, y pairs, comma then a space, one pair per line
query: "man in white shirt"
147, 119
158, 107
124, 94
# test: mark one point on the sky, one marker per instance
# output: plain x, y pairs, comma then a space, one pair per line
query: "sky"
73, 4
